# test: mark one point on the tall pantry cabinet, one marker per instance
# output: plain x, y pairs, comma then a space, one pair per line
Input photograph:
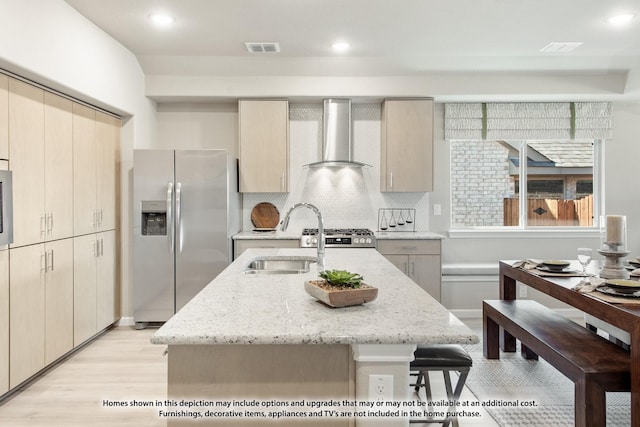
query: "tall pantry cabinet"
64, 157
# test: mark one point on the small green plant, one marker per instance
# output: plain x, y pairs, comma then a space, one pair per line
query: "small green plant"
342, 278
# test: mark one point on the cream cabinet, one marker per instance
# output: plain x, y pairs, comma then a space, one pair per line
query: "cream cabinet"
406, 157
107, 169
41, 307
418, 259
40, 147
264, 146
94, 292
241, 245
4, 117
26, 151
4, 321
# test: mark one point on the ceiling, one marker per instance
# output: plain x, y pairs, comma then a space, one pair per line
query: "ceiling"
399, 37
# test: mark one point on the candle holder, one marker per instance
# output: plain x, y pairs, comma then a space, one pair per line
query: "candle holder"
613, 246
613, 268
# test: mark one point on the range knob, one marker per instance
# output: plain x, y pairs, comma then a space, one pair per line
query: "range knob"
314, 240
369, 240
307, 241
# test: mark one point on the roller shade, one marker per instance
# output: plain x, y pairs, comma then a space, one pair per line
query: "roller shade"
528, 120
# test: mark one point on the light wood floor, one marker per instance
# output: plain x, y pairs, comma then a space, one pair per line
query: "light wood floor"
121, 365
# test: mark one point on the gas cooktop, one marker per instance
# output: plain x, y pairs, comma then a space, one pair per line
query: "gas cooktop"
339, 238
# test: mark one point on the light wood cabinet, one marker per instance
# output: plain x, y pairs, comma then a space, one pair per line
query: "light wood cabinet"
4, 321
26, 151
84, 170
96, 139
41, 307
58, 158
418, 259
264, 146
406, 157
40, 146
4, 117
241, 245
94, 292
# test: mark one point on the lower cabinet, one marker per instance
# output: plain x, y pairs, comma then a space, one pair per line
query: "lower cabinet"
41, 307
4, 321
418, 259
94, 292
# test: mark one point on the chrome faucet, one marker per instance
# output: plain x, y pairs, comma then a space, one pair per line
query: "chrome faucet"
285, 224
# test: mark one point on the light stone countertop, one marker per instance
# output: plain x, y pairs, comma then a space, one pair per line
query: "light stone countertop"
238, 308
277, 235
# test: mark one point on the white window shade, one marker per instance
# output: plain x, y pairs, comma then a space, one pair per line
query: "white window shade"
528, 120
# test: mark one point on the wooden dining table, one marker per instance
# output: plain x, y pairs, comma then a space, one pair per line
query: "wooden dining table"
624, 315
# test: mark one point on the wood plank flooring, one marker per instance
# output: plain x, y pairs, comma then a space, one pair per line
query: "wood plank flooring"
119, 366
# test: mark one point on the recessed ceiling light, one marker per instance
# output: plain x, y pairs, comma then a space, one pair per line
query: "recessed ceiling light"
161, 19
340, 46
619, 20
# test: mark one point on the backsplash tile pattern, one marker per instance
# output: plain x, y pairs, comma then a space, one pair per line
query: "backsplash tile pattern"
347, 197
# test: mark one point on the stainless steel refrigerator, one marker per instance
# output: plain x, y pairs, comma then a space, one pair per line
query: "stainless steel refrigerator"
186, 208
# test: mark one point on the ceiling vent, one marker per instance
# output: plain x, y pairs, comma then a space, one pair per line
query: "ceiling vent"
262, 47
560, 47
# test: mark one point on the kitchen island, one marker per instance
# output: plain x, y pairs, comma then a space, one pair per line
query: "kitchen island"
261, 338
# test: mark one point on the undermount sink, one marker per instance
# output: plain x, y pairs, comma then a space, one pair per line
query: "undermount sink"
279, 265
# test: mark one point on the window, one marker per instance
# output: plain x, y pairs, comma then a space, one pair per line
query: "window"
552, 181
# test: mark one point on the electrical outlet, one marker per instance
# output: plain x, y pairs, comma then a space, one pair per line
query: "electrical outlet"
523, 291
437, 209
380, 387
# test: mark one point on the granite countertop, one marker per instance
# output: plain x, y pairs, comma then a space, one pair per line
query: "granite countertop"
238, 308
272, 235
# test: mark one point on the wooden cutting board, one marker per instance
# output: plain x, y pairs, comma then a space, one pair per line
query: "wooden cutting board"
265, 215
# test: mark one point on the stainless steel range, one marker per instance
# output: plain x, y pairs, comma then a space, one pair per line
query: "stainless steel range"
339, 238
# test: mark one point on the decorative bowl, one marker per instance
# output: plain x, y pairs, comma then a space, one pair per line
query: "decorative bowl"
336, 296
555, 265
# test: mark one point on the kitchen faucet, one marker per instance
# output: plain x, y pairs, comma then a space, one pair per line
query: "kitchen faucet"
285, 224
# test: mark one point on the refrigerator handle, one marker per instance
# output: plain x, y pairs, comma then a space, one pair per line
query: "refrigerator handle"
178, 214
170, 216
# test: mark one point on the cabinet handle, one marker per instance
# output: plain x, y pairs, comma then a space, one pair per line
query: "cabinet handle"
100, 219
101, 247
390, 179
95, 248
413, 269
43, 262
51, 252
409, 248
95, 219
43, 224
282, 182
50, 223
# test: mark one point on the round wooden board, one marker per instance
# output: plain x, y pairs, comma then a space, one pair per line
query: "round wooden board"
265, 215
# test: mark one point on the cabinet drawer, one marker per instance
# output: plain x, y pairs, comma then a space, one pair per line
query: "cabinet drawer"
408, 247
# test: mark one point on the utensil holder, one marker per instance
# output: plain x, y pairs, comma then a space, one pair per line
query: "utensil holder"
396, 219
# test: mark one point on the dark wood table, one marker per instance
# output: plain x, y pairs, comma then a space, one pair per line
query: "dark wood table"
624, 316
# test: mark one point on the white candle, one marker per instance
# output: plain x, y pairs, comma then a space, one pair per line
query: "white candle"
615, 229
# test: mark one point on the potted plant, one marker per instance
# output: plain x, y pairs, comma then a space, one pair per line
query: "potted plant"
341, 288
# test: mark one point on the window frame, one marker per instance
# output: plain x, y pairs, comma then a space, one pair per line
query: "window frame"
525, 230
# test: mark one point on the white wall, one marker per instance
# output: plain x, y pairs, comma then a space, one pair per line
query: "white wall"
48, 42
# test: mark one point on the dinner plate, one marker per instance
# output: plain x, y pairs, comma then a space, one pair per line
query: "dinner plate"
555, 270
634, 262
619, 292
555, 265
623, 284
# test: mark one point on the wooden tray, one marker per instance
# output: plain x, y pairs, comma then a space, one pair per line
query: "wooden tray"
265, 215
341, 297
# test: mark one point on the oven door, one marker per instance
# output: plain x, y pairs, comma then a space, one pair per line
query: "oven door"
6, 208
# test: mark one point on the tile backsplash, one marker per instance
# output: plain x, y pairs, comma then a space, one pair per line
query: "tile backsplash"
347, 197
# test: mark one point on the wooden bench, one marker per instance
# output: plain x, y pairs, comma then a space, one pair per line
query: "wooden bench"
594, 364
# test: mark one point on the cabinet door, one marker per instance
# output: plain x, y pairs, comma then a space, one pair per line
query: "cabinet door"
107, 295
26, 151
4, 117
4, 321
84, 170
400, 261
58, 148
84, 288
264, 146
425, 271
406, 163
107, 157
58, 299
27, 312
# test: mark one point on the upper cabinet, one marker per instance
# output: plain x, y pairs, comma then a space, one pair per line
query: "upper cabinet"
264, 146
95, 165
406, 160
4, 117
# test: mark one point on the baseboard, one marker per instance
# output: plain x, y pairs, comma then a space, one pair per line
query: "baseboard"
571, 313
126, 321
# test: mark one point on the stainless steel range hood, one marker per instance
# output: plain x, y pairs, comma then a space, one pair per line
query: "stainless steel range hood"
337, 148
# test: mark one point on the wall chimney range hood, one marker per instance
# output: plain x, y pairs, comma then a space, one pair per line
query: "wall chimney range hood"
337, 147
